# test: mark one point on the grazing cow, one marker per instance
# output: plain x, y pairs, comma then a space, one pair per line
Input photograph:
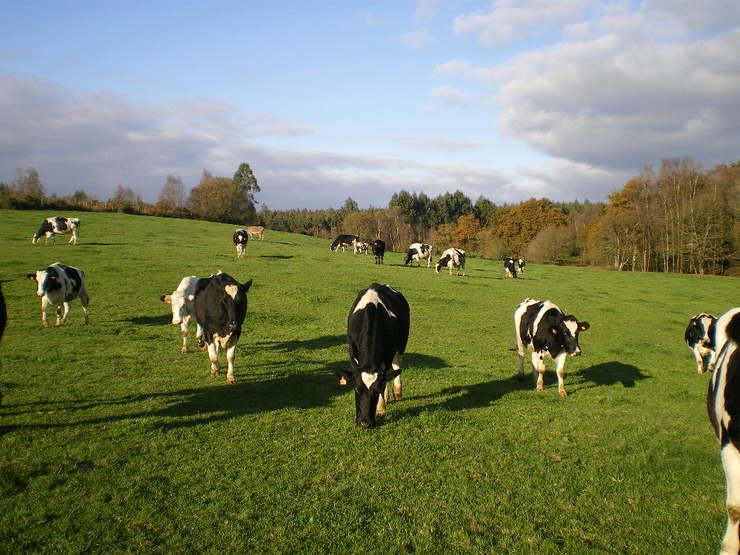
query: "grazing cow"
378, 247
182, 300
723, 406
377, 332
542, 328
257, 230
51, 227
699, 337
520, 266
344, 241
58, 285
510, 267
418, 252
452, 258
241, 236
220, 308
361, 247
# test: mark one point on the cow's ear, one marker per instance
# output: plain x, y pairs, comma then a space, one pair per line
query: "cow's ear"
31, 276
165, 299
583, 326
247, 285
554, 331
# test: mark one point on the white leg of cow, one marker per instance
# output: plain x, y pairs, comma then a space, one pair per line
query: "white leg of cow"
699, 361
731, 465
520, 354
538, 371
213, 356
62, 318
84, 301
380, 409
397, 380
44, 307
199, 337
560, 371
230, 355
712, 358
73, 239
184, 334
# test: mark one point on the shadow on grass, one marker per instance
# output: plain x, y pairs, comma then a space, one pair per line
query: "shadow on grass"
609, 373
323, 342
278, 256
104, 244
205, 405
159, 320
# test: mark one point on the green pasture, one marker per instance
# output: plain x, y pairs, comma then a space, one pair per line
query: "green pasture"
111, 441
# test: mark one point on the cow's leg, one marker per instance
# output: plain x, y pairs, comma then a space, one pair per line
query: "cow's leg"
560, 371
230, 355
731, 465
184, 334
712, 358
699, 360
213, 356
396, 365
84, 301
199, 337
520, 355
380, 409
538, 371
44, 307
63, 315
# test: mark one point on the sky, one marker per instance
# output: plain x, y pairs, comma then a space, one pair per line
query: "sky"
325, 100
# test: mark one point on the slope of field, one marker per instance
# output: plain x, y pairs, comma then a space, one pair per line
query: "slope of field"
111, 440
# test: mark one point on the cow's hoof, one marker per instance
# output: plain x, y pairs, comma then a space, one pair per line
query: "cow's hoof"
230, 380
215, 372
540, 389
563, 394
184, 351
203, 347
45, 324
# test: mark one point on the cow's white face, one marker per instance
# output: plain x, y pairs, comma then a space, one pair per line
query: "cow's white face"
177, 300
47, 281
41, 282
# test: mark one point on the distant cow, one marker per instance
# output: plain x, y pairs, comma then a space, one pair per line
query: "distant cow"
377, 332
542, 328
699, 336
378, 247
452, 258
510, 267
257, 230
520, 263
182, 300
241, 237
361, 247
220, 308
418, 252
58, 285
51, 227
723, 406
344, 241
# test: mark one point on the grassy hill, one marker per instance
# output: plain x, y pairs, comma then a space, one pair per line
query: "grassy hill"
112, 441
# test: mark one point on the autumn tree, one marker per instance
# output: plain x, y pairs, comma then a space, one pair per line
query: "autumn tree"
553, 244
518, 225
28, 183
219, 199
172, 196
465, 233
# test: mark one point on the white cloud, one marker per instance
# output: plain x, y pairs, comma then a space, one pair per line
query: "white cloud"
452, 95
426, 9
439, 143
417, 38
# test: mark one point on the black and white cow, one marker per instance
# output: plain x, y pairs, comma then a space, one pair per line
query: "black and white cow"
510, 267
182, 300
542, 328
378, 247
241, 237
58, 285
723, 406
220, 308
344, 241
520, 263
377, 332
361, 247
452, 258
51, 227
699, 336
418, 252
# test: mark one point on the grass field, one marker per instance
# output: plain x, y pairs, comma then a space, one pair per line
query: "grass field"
112, 441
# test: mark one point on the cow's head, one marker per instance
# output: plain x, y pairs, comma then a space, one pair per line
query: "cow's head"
700, 330
369, 385
409, 256
443, 262
47, 280
236, 308
179, 301
569, 330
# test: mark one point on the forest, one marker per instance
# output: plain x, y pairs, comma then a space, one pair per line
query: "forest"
675, 218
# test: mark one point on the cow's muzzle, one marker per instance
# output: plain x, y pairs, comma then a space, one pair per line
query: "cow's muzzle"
576, 353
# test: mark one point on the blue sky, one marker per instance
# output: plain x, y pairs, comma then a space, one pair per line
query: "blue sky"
325, 100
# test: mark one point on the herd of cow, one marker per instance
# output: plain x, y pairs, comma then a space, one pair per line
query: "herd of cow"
378, 328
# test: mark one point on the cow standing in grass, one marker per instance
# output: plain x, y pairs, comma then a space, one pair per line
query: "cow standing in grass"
58, 285
510, 267
377, 332
418, 252
182, 300
452, 259
542, 328
343, 241
220, 308
699, 336
241, 237
256, 230
51, 227
378, 247
723, 406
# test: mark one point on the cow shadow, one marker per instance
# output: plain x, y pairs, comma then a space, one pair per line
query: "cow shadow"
417, 360
102, 244
610, 373
278, 256
323, 342
159, 320
186, 408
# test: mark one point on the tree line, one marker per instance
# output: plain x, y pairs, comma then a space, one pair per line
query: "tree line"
677, 218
